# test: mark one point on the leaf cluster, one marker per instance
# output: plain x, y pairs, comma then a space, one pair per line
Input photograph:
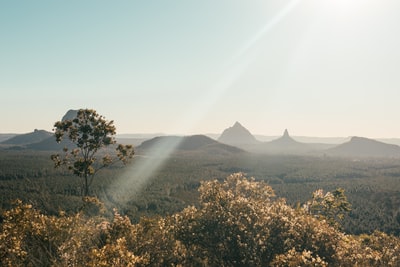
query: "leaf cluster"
331, 206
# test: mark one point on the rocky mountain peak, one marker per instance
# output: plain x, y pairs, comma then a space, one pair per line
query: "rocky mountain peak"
237, 125
71, 114
237, 134
286, 133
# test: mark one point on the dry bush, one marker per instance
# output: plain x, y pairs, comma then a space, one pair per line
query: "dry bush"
239, 222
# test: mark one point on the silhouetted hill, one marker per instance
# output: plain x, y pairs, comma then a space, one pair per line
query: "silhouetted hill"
28, 138
163, 145
71, 114
393, 141
130, 141
50, 144
285, 145
237, 135
284, 141
364, 147
4, 137
42, 140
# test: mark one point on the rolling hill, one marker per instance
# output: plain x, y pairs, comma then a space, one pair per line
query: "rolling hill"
284, 145
4, 137
360, 147
28, 138
50, 144
163, 145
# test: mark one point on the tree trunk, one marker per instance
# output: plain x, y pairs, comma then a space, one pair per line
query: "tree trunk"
86, 186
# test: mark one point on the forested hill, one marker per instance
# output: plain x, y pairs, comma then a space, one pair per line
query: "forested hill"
28, 138
364, 147
194, 143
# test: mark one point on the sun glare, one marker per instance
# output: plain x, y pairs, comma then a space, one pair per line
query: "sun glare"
344, 6
141, 172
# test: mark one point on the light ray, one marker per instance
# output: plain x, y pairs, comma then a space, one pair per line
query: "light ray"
138, 175
264, 30
132, 181
235, 67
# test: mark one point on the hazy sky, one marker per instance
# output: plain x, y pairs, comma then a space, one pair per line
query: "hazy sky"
316, 67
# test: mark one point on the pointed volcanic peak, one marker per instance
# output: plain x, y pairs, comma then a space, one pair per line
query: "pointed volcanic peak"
28, 138
361, 147
286, 145
164, 145
237, 135
285, 140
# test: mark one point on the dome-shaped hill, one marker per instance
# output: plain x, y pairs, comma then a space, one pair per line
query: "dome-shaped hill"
50, 144
28, 138
364, 147
194, 143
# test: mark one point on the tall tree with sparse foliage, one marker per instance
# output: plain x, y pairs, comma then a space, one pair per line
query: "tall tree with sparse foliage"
90, 133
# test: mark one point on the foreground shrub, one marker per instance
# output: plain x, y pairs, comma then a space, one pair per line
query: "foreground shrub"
239, 222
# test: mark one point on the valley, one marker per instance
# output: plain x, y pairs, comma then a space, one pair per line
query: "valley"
166, 172
371, 185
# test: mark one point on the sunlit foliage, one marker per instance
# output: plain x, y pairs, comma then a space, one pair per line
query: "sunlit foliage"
331, 206
239, 222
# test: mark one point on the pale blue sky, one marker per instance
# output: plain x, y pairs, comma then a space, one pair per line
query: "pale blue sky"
316, 67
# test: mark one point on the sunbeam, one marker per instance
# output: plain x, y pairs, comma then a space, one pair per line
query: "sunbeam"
264, 30
138, 175
144, 167
234, 68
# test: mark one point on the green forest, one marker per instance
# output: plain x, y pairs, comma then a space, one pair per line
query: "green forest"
188, 213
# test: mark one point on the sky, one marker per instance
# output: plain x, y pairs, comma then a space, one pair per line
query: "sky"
315, 67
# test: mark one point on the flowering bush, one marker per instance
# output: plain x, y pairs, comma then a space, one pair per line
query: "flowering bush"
239, 222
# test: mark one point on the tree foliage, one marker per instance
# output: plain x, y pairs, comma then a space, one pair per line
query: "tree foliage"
331, 206
239, 222
89, 132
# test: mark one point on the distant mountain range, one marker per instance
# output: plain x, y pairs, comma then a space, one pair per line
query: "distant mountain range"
39, 139
28, 138
42, 141
357, 147
235, 139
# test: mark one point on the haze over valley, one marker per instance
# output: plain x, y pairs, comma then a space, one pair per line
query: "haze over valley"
236, 136
200, 133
